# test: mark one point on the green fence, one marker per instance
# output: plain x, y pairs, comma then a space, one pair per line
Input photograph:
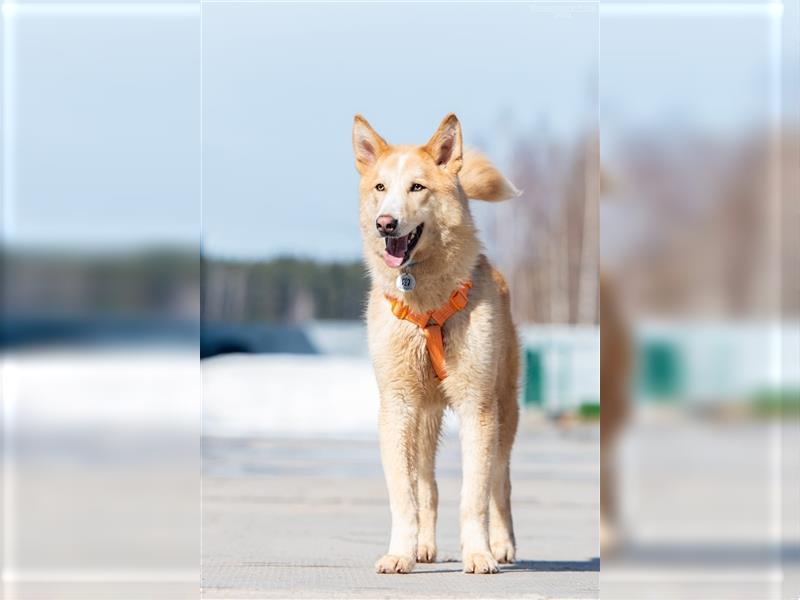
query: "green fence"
561, 368
661, 372
549, 374
534, 378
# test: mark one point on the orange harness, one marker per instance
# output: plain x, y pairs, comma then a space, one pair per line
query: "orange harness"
432, 322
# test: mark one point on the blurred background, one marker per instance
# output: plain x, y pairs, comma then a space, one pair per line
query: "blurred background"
701, 344
100, 300
145, 144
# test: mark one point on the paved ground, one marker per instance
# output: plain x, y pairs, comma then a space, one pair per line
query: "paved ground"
308, 518
711, 510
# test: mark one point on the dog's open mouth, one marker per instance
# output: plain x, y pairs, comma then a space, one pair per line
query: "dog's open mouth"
398, 249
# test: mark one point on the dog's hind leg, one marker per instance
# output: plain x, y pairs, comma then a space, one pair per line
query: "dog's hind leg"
501, 527
430, 424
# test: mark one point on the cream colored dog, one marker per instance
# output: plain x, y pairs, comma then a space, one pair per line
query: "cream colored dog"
416, 222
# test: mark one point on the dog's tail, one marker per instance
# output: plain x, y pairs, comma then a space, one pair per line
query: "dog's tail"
480, 180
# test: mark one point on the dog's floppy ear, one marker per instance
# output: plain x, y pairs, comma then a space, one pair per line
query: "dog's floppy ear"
367, 144
480, 180
445, 145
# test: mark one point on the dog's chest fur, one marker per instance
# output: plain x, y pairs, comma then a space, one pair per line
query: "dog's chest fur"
398, 347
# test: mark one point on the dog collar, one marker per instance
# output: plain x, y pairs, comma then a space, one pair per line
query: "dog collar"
431, 323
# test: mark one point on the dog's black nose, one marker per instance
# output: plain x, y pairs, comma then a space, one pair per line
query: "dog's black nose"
386, 224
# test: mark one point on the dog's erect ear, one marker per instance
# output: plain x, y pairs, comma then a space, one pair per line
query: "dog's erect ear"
445, 145
480, 180
367, 144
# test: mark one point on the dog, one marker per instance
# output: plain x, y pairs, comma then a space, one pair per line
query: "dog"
440, 335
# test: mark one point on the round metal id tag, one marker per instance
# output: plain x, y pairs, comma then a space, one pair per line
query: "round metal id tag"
405, 282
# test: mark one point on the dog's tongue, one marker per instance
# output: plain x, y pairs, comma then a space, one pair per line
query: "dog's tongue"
395, 251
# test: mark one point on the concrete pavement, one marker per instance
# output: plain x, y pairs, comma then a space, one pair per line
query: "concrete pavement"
308, 518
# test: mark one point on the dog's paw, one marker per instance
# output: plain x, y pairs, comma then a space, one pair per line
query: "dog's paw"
391, 563
482, 563
426, 553
504, 552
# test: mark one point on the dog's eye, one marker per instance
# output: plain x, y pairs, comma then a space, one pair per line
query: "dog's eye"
380, 187
417, 187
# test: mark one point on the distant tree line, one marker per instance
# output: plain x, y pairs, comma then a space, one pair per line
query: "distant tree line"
282, 289
161, 282
710, 247
177, 284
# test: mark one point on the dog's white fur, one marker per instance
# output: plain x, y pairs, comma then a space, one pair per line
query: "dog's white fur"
482, 353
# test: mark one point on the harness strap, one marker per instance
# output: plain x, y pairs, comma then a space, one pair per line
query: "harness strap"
432, 322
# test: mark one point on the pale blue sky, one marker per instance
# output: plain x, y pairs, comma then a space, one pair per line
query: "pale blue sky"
101, 131
103, 145
282, 83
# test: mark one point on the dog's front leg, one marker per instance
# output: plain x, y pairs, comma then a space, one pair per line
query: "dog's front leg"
398, 424
427, 440
478, 447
